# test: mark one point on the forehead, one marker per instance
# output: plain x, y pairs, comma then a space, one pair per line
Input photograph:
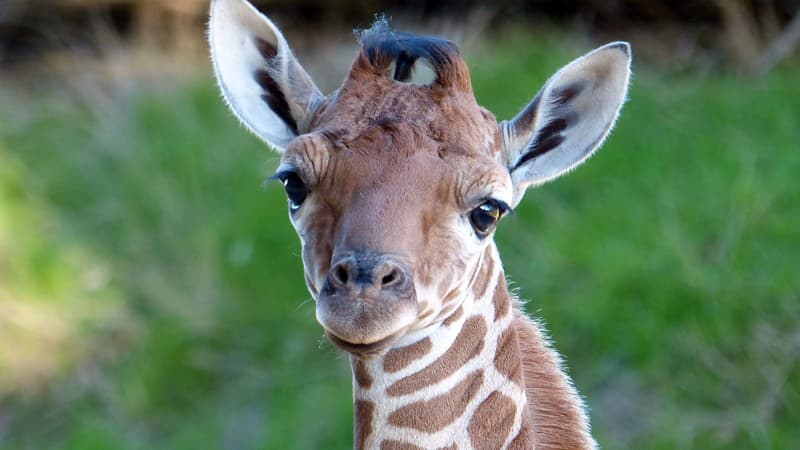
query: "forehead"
447, 121
385, 152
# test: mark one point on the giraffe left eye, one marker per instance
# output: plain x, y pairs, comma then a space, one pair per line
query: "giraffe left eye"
296, 189
485, 217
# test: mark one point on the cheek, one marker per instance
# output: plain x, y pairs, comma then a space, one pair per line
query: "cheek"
449, 260
315, 268
316, 239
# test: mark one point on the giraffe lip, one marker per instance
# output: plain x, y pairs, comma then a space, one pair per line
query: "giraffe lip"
368, 349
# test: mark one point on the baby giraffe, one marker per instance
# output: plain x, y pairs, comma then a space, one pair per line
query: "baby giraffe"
396, 182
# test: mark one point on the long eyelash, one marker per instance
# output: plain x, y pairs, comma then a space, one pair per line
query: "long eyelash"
504, 207
270, 179
279, 176
501, 205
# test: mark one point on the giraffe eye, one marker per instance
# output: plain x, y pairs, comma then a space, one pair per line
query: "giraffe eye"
296, 189
485, 217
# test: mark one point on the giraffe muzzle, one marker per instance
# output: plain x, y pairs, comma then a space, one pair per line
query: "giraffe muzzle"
367, 302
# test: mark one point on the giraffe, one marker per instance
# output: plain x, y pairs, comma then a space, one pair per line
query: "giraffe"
395, 185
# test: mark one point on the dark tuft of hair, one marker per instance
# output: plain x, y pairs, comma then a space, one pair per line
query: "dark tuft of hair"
382, 45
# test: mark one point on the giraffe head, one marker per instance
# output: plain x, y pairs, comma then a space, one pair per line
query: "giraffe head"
396, 181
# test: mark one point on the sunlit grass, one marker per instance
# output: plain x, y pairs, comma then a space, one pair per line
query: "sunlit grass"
136, 234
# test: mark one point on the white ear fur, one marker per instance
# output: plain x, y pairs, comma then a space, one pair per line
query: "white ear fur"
262, 82
568, 119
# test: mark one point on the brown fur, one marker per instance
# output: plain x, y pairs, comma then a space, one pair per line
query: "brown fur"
508, 359
434, 414
525, 439
398, 358
361, 374
364, 412
481, 282
557, 412
501, 300
397, 445
491, 424
469, 343
453, 317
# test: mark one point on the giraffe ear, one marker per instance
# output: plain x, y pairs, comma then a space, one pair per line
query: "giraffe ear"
568, 119
261, 80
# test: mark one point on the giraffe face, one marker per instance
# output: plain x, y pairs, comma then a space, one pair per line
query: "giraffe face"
394, 212
395, 186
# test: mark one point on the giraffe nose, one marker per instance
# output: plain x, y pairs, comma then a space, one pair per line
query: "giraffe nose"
367, 302
368, 273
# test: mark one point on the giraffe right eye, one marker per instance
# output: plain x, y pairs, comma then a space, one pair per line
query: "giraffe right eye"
296, 189
485, 216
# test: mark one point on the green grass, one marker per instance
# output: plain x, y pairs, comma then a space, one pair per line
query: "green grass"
666, 269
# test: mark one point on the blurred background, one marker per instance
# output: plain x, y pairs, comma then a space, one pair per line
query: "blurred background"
151, 289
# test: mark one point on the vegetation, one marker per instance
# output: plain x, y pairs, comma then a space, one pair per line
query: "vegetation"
151, 291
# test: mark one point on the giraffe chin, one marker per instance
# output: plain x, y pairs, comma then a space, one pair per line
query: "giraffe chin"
367, 350
366, 325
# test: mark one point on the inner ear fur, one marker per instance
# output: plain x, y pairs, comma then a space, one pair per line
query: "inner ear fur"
568, 119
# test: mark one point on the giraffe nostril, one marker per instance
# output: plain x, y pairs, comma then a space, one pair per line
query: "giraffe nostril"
366, 275
390, 278
340, 275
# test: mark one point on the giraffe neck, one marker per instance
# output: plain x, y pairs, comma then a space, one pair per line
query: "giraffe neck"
459, 386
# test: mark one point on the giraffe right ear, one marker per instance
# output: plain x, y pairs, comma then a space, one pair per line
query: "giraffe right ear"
261, 80
568, 119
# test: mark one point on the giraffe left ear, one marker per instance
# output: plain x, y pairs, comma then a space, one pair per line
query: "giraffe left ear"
259, 77
568, 119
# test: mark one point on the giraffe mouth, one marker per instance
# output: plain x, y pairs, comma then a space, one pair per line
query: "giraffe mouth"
365, 350
366, 325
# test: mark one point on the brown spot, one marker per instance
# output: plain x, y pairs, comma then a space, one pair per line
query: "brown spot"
428, 221
361, 374
453, 317
448, 296
397, 445
502, 302
481, 281
432, 415
492, 422
425, 315
363, 422
507, 358
525, 439
468, 343
399, 358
